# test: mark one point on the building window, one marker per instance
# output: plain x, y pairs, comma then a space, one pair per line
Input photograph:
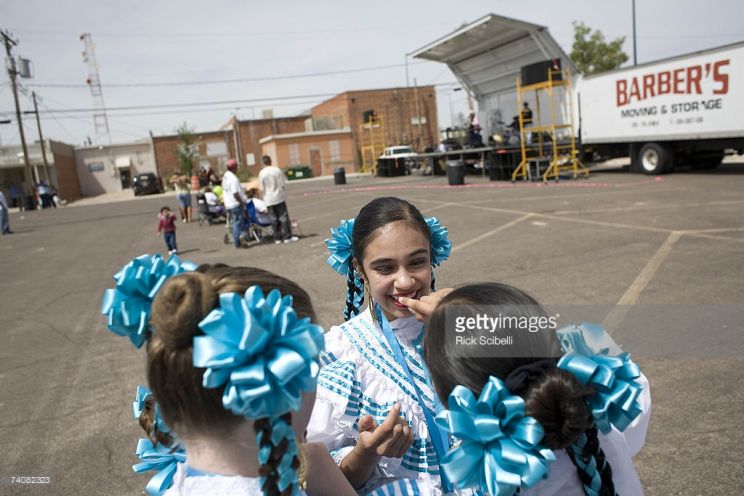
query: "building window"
335, 148
250, 159
294, 154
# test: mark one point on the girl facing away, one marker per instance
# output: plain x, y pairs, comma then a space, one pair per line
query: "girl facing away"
231, 352
570, 416
375, 405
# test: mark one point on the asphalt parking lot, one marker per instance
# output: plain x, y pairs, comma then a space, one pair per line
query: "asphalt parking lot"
659, 260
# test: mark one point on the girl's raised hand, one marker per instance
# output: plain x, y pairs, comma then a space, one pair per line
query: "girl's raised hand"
392, 438
423, 308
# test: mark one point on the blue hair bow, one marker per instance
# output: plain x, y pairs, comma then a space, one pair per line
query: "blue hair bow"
441, 247
161, 459
500, 448
616, 401
339, 245
127, 306
261, 350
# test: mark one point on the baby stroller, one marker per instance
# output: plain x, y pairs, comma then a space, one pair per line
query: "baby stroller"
253, 228
208, 214
257, 230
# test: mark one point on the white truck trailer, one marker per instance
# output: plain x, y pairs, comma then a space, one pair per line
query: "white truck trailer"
686, 110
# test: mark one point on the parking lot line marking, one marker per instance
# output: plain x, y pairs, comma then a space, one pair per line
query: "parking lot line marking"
490, 233
711, 236
631, 295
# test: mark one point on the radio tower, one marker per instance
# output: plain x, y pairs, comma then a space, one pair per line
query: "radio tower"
100, 121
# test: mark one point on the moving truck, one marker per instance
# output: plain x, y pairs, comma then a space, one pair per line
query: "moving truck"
686, 110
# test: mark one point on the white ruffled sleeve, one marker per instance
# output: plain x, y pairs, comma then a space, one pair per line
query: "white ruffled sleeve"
338, 397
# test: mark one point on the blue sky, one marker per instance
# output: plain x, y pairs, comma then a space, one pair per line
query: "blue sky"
141, 42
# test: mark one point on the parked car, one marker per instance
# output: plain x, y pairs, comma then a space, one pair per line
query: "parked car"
147, 184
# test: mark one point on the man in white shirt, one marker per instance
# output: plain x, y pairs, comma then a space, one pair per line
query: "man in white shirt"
4, 222
272, 181
233, 197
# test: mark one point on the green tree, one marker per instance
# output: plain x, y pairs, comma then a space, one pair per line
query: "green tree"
592, 54
186, 151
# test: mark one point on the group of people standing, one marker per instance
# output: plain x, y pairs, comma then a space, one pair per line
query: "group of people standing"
249, 396
272, 182
271, 207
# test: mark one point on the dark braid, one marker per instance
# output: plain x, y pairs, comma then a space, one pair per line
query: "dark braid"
354, 293
591, 465
269, 471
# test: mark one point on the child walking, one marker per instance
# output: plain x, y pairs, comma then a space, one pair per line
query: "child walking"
558, 412
167, 225
375, 405
232, 363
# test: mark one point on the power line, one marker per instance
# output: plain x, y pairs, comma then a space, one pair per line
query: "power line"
223, 81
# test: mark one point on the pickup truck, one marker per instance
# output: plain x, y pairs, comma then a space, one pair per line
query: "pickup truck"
395, 161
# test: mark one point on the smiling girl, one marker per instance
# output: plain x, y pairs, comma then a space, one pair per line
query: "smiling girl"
375, 403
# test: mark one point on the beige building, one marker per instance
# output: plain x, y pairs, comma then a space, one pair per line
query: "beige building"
106, 169
322, 151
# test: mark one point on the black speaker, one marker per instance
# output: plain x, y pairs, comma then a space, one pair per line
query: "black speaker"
538, 72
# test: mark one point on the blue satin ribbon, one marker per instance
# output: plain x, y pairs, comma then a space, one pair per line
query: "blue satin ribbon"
438, 436
160, 459
500, 449
280, 431
261, 350
127, 306
339, 246
616, 400
441, 246
138, 405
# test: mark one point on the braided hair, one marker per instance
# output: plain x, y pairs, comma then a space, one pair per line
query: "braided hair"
177, 309
374, 215
554, 397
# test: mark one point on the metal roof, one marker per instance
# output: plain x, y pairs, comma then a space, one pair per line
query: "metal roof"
487, 55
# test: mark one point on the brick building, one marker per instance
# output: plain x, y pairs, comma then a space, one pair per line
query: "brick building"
214, 149
59, 171
409, 115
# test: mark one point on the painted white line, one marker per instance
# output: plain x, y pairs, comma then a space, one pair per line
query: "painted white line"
539, 224
617, 314
490, 233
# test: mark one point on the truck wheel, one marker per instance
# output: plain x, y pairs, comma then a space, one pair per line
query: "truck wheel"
707, 162
655, 159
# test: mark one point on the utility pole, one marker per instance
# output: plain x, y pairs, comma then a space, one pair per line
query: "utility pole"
635, 55
12, 73
41, 137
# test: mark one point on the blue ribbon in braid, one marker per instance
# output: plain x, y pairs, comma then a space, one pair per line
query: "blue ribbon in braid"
588, 464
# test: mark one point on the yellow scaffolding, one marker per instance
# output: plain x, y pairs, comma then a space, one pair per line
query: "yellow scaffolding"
372, 143
562, 156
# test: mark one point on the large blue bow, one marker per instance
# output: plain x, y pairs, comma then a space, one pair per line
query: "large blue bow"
262, 350
500, 448
161, 459
127, 306
616, 401
441, 247
339, 246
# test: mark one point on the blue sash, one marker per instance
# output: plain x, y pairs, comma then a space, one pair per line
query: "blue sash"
439, 437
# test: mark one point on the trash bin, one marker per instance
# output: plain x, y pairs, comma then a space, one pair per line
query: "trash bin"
456, 173
339, 175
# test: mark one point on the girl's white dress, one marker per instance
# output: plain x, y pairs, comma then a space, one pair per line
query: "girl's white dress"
360, 376
213, 485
